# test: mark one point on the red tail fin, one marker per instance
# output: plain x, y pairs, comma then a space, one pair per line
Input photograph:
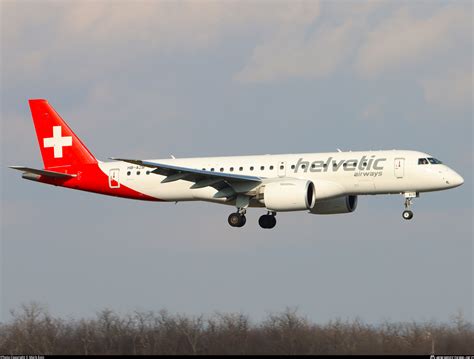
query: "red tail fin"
58, 144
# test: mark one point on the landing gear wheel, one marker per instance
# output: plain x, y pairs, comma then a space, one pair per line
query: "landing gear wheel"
243, 220
407, 214
267, 221
237, 219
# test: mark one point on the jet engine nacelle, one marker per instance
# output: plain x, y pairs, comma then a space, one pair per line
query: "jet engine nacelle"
289, 195
343, 204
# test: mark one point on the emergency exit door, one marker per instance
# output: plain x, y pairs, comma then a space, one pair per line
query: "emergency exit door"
282, 169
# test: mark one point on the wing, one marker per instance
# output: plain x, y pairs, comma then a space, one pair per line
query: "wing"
228, 184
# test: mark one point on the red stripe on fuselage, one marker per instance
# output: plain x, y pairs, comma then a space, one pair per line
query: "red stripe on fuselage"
90, 178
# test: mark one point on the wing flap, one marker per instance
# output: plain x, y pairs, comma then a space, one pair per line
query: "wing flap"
175, 177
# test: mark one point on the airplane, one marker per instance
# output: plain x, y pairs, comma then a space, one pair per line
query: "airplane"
318, 183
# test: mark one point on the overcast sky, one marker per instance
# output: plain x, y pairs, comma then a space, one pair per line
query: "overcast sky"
151, 79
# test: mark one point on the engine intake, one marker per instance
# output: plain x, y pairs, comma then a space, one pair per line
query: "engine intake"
289, 195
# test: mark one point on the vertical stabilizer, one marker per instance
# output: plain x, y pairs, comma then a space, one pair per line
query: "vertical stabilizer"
59, 146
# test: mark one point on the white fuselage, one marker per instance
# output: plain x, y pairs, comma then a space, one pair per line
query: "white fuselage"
342, 173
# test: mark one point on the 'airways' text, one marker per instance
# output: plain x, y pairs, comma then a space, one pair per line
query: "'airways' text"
368, 174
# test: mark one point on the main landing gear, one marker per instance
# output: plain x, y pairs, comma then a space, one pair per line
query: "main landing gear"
267, 220
237, 219
407, 214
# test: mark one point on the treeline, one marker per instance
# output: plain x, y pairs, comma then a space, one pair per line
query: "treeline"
32, 330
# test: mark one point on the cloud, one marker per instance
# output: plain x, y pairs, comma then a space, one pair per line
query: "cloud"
316, 47
290, 54
313, 44
180, 25
159, 24
301, 39
130, 29
452, 89
98, 48
405, 39
305, 39
371, 39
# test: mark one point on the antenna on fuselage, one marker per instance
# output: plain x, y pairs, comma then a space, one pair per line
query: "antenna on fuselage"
338, 150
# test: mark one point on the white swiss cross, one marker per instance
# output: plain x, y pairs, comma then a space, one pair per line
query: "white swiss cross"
57, 141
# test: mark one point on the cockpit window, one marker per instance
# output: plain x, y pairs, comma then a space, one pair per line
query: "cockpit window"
434, 161
422, 161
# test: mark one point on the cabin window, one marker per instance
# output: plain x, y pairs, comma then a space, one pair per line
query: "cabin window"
212, 169
222, 169
262, 168
293, 167
313, 165
231, 169
138, 173
303, 166
422, 161
251, 168
241, 168
129, 173
271, 167
203, 169
282, 167
147, 172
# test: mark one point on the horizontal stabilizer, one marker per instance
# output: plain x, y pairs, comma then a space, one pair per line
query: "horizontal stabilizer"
46, 173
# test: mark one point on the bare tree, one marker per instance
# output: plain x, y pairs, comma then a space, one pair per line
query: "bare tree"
31, 329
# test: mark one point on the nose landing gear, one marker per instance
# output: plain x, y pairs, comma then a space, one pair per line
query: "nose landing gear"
407, 214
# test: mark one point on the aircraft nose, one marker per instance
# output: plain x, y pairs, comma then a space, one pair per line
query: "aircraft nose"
455, 179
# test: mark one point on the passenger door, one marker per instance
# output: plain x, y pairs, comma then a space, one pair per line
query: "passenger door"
114, 178
399, 167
